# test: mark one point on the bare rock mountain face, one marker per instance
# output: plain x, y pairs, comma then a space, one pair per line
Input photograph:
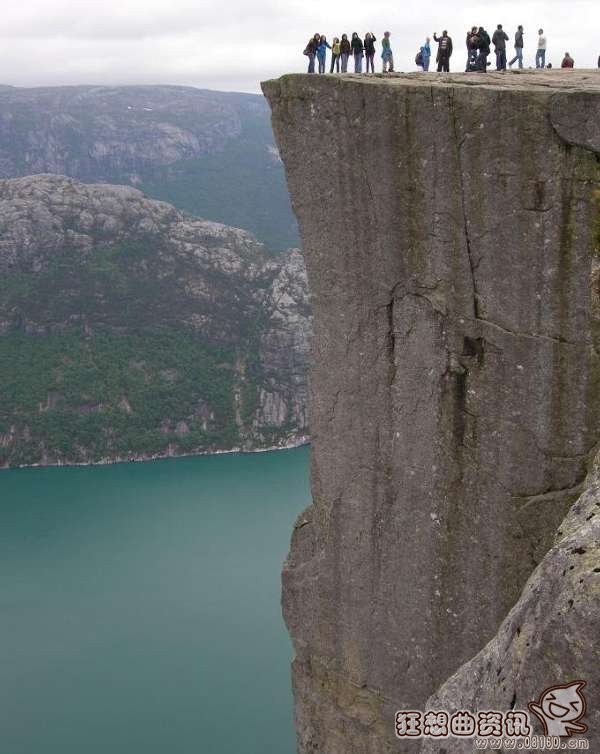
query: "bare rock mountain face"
448, 225
129, 329
208, 153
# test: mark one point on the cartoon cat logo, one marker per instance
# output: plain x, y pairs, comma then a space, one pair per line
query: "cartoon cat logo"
560, 707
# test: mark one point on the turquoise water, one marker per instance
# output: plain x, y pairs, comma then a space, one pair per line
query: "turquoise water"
139, 606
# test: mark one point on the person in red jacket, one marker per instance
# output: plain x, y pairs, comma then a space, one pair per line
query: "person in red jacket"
567, 62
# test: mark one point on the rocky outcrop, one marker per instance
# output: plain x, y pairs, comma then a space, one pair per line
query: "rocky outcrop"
207, 329
447, 224
209, 153
551, 633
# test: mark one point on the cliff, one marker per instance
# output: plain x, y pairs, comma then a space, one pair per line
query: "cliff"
448, 227
209, 153
129, 329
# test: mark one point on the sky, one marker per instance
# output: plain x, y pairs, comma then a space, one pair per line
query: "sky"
234, 45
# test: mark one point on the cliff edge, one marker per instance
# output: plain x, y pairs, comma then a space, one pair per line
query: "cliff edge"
448, 225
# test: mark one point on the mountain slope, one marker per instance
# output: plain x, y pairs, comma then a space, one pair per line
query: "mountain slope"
130, 329
211, 154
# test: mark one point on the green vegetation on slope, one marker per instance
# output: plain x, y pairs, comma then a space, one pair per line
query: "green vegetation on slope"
78, 398
242, 185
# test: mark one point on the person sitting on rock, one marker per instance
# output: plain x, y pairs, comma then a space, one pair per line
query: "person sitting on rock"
357, 51
567, 61
386, 53
444, 52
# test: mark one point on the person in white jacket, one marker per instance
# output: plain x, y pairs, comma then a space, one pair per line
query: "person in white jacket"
540, 56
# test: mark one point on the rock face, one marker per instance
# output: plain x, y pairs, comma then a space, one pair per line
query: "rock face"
552, 632
448, 228
208, 153
130, 329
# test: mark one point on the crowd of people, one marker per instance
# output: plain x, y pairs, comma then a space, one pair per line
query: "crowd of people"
478, 44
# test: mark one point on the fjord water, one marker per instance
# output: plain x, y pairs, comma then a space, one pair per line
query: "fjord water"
140, 608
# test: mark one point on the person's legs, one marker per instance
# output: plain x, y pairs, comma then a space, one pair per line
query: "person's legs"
425, 64
520, 56
542, 58
311, 62
502, 60
344, 62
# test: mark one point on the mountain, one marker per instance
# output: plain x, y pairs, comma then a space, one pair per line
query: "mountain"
130, 329
209, 153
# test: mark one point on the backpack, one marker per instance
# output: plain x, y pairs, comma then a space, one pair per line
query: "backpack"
419, 58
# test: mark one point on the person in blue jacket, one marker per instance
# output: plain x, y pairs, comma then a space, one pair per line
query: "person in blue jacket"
322, 53
426, 54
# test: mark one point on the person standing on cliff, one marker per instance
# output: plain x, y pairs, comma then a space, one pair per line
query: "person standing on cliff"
335, 55
472, 43
357, 51
499, 39
483, 49
444, 51
370, 51
322, 53
540, 56
518, 48
426, 54
311, 51
386, 53
345, 50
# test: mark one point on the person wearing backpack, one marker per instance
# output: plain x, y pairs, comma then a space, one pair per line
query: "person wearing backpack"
357, 51
370, 51
500, 38
311, 50
386, 54
345, 50
444, 51
424, 55
335, 55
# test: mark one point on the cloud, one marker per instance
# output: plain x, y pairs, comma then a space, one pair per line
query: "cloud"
235, 45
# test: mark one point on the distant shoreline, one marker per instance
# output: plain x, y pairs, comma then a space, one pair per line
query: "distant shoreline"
297, 442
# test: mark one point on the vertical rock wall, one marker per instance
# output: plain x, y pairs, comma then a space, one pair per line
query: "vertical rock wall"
447, 225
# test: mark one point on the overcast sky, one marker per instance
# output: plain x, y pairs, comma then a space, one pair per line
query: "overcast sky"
233, 45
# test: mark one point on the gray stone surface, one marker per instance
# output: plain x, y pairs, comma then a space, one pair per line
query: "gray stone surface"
447, 224
550, 637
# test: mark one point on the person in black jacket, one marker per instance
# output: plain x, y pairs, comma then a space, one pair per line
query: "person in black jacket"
444, 51
484, 49
357, 51
370, 51
500, 39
